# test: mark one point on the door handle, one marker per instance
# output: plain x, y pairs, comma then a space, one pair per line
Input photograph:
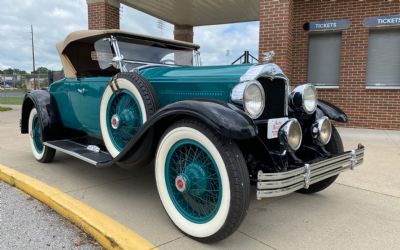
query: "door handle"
82, 91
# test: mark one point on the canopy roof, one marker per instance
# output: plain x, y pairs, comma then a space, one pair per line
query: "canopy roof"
199, 12
75, 49
93, 35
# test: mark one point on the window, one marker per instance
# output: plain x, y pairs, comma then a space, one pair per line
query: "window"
384, 58
324, 58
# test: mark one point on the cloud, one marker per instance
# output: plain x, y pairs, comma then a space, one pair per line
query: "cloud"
222, 44
53, 20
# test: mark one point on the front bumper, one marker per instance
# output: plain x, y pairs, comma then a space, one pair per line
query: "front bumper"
278, 184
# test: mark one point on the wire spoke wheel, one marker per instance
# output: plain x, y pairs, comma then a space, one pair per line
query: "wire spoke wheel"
37, 134
202, 180
193, 181
124, 118
127, 102
40, 152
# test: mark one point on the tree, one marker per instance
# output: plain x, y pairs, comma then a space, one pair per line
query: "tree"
42, 71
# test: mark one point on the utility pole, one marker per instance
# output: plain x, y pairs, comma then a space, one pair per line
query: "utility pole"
33, 59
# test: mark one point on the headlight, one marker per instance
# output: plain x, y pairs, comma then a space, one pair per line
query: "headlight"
251, 95
304, 98
290, 134
322, 130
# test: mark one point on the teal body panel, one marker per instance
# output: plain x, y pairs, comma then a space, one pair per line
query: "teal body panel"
174, 84
81, 111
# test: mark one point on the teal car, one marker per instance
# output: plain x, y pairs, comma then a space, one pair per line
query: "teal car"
209, 131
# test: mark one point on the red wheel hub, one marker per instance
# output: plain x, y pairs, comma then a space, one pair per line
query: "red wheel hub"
181, 183
115, 121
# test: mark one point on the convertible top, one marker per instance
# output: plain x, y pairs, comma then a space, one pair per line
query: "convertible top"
75, 46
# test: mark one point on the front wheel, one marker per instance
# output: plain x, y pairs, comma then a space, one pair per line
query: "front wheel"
202, 180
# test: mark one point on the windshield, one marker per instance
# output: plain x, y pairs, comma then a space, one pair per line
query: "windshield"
134, 53
155, 52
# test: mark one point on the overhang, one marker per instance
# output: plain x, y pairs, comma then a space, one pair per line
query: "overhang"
198, 12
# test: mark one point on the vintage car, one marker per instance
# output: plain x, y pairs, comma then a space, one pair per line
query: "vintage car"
128, 99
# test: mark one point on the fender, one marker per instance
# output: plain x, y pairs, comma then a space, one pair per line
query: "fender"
226, 119
46, 107
331, 111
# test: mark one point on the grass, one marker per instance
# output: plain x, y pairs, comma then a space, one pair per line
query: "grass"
2, 109
20, 90
11, 100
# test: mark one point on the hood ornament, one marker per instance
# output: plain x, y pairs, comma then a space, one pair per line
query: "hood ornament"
268, 57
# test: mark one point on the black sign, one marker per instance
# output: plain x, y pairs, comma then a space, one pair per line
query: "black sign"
328, 25
382, 21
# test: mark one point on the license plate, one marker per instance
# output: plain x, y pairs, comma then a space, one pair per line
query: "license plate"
274, 125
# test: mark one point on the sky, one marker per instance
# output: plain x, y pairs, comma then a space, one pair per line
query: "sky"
53, 20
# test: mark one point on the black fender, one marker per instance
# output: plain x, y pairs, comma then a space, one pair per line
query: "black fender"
46, 107
333, 112
226, 119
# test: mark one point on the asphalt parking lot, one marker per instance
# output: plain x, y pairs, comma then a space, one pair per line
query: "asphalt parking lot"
28, 224
360, 211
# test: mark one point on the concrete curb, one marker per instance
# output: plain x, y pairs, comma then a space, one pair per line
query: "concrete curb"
109, 233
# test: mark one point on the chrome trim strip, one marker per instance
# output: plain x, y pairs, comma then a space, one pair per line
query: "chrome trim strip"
278, 184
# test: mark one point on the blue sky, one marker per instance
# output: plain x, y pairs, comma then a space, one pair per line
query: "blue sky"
53, 20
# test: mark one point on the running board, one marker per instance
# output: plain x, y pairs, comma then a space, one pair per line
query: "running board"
80, 151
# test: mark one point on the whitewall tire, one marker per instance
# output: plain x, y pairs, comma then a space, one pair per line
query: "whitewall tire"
123, 112
40, 152
183, 194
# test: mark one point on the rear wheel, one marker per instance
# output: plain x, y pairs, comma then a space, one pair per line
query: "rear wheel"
41, 152
202, 181
335, 146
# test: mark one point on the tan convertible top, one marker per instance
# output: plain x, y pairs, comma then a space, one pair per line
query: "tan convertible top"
90, 36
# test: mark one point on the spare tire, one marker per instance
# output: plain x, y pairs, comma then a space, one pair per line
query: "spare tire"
127, 103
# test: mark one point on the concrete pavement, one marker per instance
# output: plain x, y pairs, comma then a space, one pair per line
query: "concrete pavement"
361, 210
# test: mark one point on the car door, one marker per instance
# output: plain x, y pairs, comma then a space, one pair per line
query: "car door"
90, 92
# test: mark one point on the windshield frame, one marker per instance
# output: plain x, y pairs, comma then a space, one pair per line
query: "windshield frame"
119, 60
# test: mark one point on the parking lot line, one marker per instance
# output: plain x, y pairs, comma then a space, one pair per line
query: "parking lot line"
109, 233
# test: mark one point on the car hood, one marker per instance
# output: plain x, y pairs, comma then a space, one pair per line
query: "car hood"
203, 74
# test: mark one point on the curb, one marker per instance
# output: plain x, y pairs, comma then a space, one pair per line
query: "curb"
109, 233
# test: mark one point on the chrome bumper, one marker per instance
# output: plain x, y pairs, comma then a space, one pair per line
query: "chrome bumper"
278, 184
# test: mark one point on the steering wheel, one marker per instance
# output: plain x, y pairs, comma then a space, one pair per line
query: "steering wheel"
168, 61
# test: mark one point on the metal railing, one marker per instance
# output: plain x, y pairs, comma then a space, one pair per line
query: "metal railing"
245, 58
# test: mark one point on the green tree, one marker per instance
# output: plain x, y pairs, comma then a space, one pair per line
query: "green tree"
42, 71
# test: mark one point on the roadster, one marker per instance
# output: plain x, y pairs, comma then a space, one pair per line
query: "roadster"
128, 99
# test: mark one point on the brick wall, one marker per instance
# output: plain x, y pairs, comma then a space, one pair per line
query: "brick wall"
102, 15
366, 108
276, 31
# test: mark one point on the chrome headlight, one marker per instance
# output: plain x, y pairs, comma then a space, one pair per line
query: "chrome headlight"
304, 98
251, 95
322, 130
290, 134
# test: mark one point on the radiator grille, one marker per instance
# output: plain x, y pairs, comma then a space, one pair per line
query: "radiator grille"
275, 98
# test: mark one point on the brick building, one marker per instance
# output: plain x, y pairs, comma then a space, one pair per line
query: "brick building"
348, 48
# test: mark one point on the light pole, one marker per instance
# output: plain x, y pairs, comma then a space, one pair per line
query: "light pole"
33, 59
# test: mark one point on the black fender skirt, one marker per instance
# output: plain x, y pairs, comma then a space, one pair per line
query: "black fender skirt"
46, 107
334, 113
226, 119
